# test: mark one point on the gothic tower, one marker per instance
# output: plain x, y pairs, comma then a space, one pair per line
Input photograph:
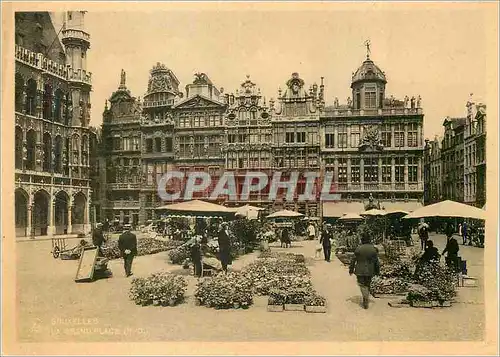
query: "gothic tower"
76, 43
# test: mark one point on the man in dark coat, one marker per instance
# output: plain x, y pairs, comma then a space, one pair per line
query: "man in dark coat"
196, 257
285, 237
431, 253
98, 238
224, 246
326, 241
127, 243
365, 264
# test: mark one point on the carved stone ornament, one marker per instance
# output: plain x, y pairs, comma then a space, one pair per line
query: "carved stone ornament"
371, 139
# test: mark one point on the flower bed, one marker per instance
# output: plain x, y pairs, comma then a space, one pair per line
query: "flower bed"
225, 291
380, 285
395, 277
434, 282
145, 246
161, 289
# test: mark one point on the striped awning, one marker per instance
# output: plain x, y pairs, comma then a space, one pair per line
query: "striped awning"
338, 208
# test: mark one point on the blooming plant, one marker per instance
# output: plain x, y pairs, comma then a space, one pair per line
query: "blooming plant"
158, 289
381, 285
179, 255
223, 291
440, 280
314, 299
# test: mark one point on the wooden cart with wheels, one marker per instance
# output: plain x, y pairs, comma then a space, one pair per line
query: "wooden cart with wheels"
58, 246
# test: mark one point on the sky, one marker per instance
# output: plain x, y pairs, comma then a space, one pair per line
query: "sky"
437, 53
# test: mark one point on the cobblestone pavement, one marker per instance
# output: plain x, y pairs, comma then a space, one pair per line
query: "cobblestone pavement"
52, 307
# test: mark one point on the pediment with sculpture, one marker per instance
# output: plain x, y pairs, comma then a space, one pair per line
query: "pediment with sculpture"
199, 102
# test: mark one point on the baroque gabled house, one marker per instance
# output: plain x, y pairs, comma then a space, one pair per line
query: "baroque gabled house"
374, 147
54, 145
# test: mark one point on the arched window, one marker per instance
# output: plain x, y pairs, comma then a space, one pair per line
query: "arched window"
58, 155
31, 147
58, 101
85, 149
47, 102
19, 147
19, 93
47, 152
31, 97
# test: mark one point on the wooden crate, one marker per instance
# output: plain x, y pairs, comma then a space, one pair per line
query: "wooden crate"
275, 308
294, 307
316, 309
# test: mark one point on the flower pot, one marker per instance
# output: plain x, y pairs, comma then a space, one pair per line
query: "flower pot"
275, 308
294, 307
171, 302
197, 302
318, 309
156, 302
236, 305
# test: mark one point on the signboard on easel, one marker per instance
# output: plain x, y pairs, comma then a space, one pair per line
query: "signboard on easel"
85, 271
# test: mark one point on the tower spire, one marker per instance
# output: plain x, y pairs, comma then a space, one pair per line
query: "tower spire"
122, 80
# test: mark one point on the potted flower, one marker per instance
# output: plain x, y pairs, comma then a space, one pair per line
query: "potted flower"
276, 301
315, 303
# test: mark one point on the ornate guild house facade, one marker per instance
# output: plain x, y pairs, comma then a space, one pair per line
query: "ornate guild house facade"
54, 145
372, 145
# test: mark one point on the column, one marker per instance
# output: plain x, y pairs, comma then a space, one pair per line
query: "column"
86, 217
348, 136
393, 172
393, 141
335, 137
419, 173
419, 135
51, 229
336, 170
28, 220
406, 137
380, 171
362, 173
70, 216
406, 172
349, 171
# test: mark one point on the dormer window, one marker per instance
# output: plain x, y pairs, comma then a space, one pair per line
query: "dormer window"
370, 97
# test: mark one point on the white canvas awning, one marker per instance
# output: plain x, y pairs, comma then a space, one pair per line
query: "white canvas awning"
338, 209
448, 209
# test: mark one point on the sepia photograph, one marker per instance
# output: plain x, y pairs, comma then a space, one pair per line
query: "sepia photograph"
258, 172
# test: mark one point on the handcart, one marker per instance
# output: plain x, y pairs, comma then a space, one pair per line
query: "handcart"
58, 245
59, 249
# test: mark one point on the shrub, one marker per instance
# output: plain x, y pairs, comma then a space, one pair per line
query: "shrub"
224, 290
180, 254
315, 299
439, 280
158, 289
145, 246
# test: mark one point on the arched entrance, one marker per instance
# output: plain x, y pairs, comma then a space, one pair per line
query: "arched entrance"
40, 213
61, 213
79, 213
21, 203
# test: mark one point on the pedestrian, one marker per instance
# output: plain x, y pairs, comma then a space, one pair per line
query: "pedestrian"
285, 238
98, 238
311, 231
423, 233
365, 264
127, 243
449, 230
465, 233
224, 246
452, 248
326, 241
431, 253
196, 257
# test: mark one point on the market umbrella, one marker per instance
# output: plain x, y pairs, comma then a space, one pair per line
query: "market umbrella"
285, 214
196, 208
448, 209
396, 212
248, 211
374, 212
351, 217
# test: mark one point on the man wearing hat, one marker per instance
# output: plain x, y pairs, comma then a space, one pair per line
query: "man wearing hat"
326, 241
127, 243
98, 238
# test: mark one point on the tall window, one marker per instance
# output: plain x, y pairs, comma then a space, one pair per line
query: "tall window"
265, 159
126, 144
199, 121
231, 160
184, 146
412, 169
117, 144
290, 137
312, 157
184, 121
149, 145
199, 142
329, 140
355, 170
399, 135
254, 159
412, 135
158, 145
355, 136
342, 136
31, 101
370, 97
301, 159
231, 138
213, 146
386, 135
301, 137
386, 170
342, 169
135, 143
370, 166
400, 169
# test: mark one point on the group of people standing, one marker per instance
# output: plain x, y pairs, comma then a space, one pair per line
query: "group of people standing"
431, 253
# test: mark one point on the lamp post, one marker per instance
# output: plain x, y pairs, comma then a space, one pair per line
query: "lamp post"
32, 232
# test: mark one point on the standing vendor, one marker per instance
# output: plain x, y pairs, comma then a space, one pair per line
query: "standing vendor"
98, 238
224, 246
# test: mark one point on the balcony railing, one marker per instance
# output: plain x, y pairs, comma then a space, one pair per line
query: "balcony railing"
78, 34
159, 103
372, 112
124, 186
39, 61
123, 204
359, 187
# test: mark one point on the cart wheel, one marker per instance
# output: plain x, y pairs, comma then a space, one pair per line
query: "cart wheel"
55, 252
